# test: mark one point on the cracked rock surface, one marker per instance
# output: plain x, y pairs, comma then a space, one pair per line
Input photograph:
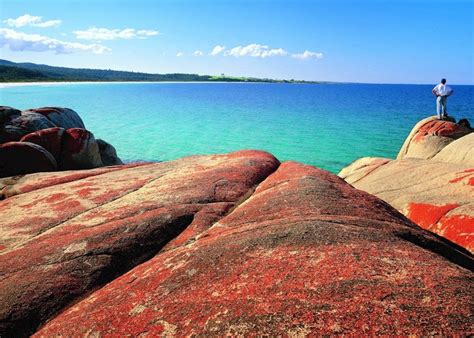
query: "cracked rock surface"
65, 238
302, 253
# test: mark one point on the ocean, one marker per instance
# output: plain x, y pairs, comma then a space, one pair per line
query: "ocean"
325, 125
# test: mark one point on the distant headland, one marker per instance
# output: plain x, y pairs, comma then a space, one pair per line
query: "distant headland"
32, 72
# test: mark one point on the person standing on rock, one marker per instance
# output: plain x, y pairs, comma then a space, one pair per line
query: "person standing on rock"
441, 91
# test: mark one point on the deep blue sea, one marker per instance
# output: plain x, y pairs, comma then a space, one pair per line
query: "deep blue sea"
326, 125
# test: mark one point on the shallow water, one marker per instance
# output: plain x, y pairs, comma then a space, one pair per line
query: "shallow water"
327, 125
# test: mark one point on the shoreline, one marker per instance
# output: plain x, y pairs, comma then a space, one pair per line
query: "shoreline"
59, 83
24, 84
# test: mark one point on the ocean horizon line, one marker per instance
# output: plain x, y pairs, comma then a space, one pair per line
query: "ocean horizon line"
58, 83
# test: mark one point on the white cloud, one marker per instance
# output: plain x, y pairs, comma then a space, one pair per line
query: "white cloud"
147, 32
179, 54
49, 23
18, 41
31, 20
114, 34
255, 50
198, 53
262, 51
308, 55
216, 50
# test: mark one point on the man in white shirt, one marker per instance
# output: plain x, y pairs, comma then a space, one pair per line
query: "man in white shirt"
442, 91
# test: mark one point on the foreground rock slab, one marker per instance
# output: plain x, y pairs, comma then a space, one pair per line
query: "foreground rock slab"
306, 253
63, 240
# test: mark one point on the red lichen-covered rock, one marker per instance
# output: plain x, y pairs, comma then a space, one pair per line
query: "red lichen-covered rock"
305, 254
15, 185
50, 139
61, 117
17, 158
79, 150
438, 196
16, 124
435, 189
429, 136
60, 242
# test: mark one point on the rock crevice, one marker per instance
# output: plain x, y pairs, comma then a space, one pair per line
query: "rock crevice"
90, 246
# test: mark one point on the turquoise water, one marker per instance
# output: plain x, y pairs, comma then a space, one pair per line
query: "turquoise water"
327, 125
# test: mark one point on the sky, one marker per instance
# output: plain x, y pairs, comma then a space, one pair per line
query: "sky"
370, 41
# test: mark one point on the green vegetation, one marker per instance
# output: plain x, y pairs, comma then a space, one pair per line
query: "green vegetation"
31, 72
9, 74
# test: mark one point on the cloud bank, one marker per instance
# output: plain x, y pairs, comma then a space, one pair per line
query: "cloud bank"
30, 20
18, 41
263, 51
99, 34
255, 50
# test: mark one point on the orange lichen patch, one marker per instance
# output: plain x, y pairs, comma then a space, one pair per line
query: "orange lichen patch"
462, 177
459, 229
55, 197
86, 192
427, 215
458, 179
437, 128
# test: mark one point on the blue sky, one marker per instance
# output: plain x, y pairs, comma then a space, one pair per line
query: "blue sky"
417, 41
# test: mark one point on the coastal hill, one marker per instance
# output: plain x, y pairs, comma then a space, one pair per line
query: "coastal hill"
24, 72
230, 244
